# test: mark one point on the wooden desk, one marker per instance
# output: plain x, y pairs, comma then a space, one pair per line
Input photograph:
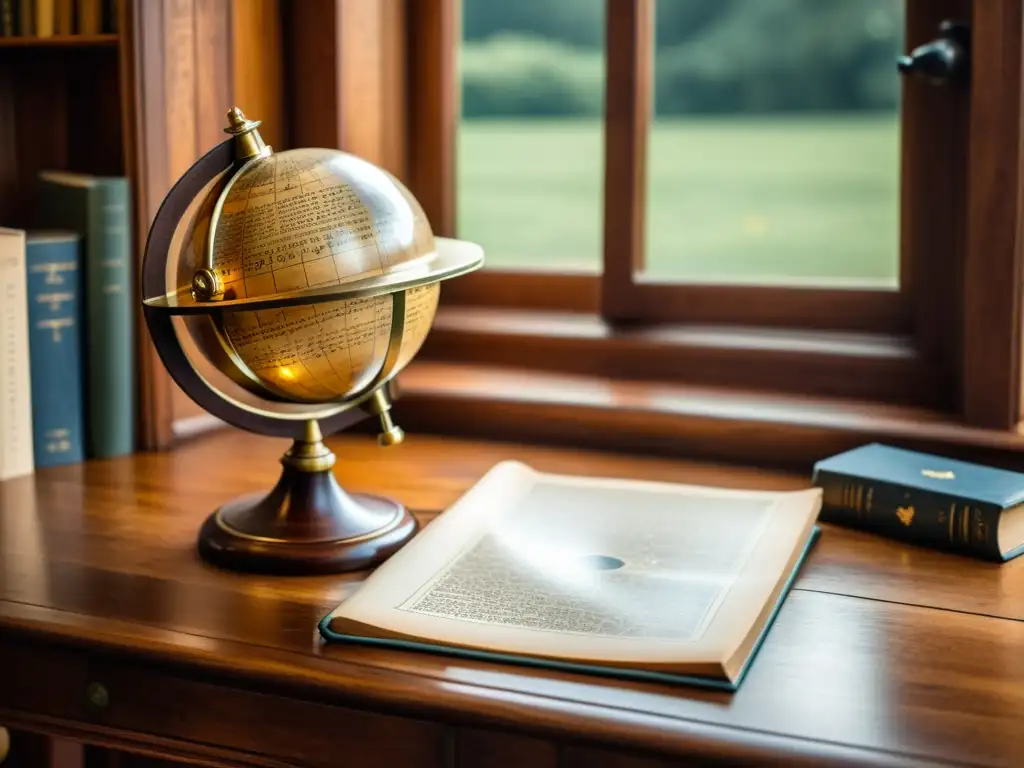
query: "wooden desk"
113, 633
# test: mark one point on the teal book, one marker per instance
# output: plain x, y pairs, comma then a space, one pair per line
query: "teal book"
98, 209
53, 260
616, 578
923, 499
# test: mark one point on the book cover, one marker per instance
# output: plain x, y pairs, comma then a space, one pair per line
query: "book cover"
54, 313
15, 384
620, 578
925, 499
97, 208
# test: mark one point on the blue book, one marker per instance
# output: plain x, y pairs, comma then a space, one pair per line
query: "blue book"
924, 499
54, 276
606, 577
97, 208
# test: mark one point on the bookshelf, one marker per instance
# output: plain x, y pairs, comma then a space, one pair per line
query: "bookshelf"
61, 41
144, 103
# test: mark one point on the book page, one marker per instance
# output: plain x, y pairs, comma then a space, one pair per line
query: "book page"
617, 565
588, 569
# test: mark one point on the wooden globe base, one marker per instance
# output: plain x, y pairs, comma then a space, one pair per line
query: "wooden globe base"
307, 524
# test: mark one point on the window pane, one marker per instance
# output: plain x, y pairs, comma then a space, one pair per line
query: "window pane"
774, 151
530, 141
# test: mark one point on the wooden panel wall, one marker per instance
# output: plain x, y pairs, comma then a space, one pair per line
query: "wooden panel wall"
344, 77
258, 66
180, 63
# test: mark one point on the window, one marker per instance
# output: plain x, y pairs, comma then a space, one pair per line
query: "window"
785, 214
727, 210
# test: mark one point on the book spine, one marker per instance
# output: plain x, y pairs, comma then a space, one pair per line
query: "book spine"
55, 350
65, 17
111, 16
8, 18
44, 18
26, 18
15, 384
109, 339
938, 520
90, 17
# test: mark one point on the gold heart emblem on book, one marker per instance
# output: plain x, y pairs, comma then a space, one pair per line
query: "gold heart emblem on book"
905, 514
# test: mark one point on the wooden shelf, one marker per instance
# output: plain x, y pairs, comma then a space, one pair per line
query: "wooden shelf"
60, 41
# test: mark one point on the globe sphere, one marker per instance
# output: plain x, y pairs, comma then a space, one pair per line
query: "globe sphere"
305, 219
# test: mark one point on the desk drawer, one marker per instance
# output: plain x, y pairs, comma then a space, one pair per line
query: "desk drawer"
146, 699
41, 679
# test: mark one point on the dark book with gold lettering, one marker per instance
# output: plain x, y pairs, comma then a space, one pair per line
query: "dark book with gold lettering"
923, 499
621, 578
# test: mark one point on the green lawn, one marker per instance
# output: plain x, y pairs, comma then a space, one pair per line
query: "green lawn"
805, 199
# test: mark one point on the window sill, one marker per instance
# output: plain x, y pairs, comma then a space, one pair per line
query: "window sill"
696, 422
876, 367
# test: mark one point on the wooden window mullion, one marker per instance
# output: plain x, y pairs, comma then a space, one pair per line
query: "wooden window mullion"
434, 33
992, 267
629, 83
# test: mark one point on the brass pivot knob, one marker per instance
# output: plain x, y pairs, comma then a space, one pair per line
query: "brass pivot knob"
379, 404
944, 60
248, 142
206, 285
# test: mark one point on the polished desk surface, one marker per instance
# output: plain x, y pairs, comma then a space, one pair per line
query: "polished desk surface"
883, 654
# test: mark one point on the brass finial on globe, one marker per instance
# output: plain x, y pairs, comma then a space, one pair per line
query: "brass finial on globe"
284, 291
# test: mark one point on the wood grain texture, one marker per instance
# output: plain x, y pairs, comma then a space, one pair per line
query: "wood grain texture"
178, 65
61, 41
825, 364
502, 289
214, 95
842, 309
992, 268
717, 423
345, 78
434, 31
629, 85
371, 62
477, 748
584, 757
258, 67
362, 71
883, 655
142, 57
310, 73
934, 124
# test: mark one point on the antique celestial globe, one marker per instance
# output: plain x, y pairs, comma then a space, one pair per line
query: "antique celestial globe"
283, 292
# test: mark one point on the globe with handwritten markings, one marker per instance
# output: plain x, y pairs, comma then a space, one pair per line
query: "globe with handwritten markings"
315, 219
284, 292
304, 277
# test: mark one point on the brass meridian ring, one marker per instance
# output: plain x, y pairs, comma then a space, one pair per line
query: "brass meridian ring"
389, 526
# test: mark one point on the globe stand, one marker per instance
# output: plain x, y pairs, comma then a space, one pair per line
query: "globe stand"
307, 523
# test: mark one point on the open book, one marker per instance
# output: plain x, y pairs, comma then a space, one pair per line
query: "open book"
628, 578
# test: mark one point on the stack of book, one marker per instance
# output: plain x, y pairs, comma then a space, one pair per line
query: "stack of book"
46, 18
66, 330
